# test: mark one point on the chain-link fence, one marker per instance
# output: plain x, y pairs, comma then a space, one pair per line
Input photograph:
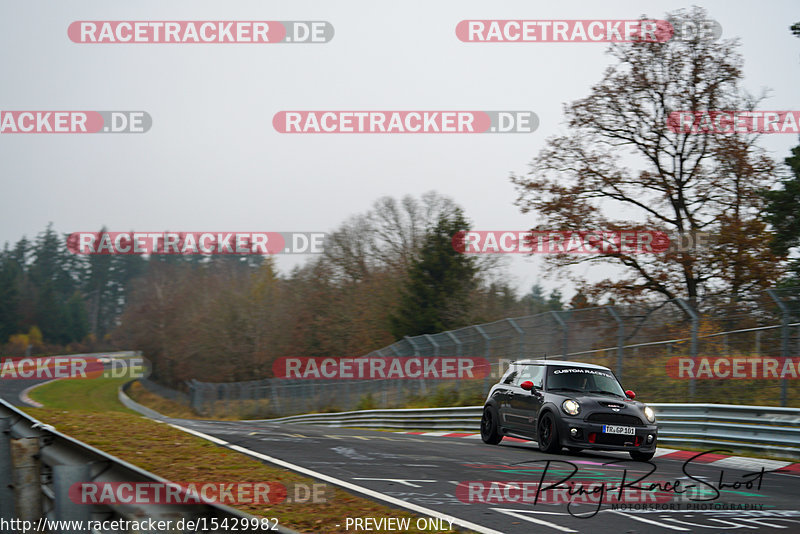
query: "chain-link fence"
675, 351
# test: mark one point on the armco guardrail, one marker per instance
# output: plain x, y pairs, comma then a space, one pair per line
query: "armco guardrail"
751, 428
38, 465
467, 418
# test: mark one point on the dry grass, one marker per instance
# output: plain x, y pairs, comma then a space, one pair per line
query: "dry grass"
175, 455
162, 405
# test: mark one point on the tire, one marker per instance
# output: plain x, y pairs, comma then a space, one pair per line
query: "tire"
490, 432
574, 450
547, 434
642, 456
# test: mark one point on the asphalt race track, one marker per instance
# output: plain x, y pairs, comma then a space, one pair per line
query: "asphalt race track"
10, 390
425, 471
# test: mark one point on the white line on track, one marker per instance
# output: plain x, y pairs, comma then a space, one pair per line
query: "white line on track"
761, 523
734, 526
649, 521
344, 484
527, 517
212, 439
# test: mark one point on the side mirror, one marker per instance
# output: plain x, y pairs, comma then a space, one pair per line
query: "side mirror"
630, 394
527, 385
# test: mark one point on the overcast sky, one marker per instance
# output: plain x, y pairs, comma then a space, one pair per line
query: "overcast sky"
212, 160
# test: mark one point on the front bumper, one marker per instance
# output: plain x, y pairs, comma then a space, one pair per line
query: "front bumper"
590, 435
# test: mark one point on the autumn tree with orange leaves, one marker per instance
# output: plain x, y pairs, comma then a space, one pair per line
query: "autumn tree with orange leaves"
620, 167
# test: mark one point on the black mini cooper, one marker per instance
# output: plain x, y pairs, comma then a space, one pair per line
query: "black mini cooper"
568, 404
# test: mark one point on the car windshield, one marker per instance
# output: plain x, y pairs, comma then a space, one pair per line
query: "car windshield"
582, 379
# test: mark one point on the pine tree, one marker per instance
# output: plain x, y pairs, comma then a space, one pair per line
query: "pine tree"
783, 213
441, 279
10, 288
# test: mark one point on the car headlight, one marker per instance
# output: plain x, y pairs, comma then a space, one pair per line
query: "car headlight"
571, 407
650, 414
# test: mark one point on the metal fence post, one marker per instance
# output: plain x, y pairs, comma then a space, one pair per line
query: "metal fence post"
456, 342
192, 395
423, 385
620, 339
565, 328
64, 476
273, 391
7, 511
413, 345
521, 333
695, 318
433, 343
488, 349
485, 336
388, 382
784, 336
758, 342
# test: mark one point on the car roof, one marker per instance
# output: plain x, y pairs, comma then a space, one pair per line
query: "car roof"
562, 363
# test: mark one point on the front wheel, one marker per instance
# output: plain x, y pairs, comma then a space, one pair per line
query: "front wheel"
641, 456
490, 433
547, 434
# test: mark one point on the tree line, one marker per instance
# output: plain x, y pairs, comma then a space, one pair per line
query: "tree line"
51, 297
392, 271
385, 274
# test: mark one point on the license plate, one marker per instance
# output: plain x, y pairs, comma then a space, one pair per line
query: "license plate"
627, 430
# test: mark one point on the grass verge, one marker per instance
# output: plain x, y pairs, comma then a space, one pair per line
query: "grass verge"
162, 405
89, 411
143, 396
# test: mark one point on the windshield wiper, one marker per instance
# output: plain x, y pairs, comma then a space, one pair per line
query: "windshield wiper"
566, 389
607, 393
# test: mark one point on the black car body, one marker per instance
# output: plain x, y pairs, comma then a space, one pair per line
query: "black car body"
568, 404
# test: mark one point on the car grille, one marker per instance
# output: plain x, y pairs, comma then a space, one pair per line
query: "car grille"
613, 439
615, 419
